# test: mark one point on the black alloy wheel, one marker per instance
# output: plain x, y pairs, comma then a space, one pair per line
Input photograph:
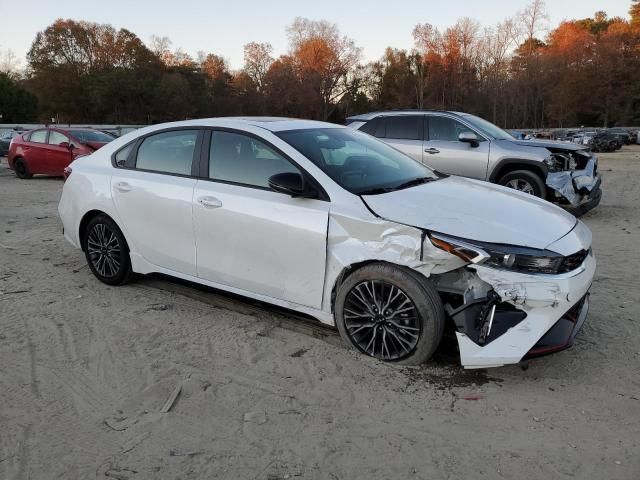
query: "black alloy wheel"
389, 312
381, 320
104, 250
107, 251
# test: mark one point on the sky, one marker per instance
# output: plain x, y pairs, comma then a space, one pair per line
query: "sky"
224, 27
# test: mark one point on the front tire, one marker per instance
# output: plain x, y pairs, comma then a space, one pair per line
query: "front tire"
21, 169
524, 181
390, 313
106, 251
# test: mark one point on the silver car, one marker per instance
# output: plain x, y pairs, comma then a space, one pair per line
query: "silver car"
462, 144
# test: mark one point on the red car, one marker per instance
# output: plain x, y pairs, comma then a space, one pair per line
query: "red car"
50, 150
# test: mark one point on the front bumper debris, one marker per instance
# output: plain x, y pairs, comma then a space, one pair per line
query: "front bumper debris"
563, 333
579, 190
535, 312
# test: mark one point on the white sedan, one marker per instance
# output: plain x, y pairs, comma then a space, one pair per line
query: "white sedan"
331, 222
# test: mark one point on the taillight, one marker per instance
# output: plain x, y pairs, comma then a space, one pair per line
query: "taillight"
66, 172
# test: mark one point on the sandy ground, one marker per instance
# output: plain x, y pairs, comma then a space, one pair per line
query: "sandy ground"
86, 369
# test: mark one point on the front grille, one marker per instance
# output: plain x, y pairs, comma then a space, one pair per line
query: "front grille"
572, 262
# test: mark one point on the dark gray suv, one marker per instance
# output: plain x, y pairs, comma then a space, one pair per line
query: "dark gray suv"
462, 144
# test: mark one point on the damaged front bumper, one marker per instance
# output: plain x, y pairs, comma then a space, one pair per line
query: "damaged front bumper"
578, 191
522, 315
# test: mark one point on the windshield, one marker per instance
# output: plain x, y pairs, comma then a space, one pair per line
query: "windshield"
487, 128
356, 161
90, 136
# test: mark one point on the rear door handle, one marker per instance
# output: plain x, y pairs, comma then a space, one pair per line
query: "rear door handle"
209, 202
431, 151
123, 187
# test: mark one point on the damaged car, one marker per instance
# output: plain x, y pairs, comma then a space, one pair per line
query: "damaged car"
462, 144
333, 223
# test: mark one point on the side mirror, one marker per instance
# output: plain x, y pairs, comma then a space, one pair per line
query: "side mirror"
291, 184
68, 145
470, 138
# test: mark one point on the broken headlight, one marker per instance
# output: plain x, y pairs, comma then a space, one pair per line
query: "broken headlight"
550, 163
509, 257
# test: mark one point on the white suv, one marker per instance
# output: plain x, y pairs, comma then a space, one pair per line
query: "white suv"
331, 222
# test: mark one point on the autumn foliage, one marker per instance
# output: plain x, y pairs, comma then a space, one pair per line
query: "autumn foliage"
518, 73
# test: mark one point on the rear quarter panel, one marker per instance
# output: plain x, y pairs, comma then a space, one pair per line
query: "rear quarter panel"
87, 188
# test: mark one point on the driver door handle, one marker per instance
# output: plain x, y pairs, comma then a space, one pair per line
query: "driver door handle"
123, 187
431, 151
209, 202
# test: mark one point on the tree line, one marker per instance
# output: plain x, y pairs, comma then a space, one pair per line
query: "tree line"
517, 73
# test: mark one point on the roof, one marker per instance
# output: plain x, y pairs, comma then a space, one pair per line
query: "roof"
278, 124
368, 116
272, 124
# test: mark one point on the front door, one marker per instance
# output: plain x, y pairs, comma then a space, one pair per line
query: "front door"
250, 237
154, 199
444, 152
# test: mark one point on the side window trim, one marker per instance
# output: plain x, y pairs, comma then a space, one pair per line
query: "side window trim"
381, 128
425, 128
204, 162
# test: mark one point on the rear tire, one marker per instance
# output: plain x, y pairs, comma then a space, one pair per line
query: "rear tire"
20, 166
524, 181
390, 313
106, 251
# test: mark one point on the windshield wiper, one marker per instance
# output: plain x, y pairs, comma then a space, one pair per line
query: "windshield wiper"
375, 191
413, 183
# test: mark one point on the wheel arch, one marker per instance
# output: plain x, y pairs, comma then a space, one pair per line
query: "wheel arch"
349, 270
509, 165
11, 161
88, 216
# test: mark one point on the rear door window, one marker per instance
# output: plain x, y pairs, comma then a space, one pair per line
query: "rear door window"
404, 127
39, 136
56, 138
370, 126
168, 152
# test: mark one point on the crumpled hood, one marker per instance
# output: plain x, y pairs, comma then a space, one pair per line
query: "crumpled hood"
550, 144
475, 210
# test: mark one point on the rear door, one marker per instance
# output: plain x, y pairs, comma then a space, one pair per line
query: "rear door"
59, 155
35, 152
444, 152
153, 195
250, 237
403, 132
